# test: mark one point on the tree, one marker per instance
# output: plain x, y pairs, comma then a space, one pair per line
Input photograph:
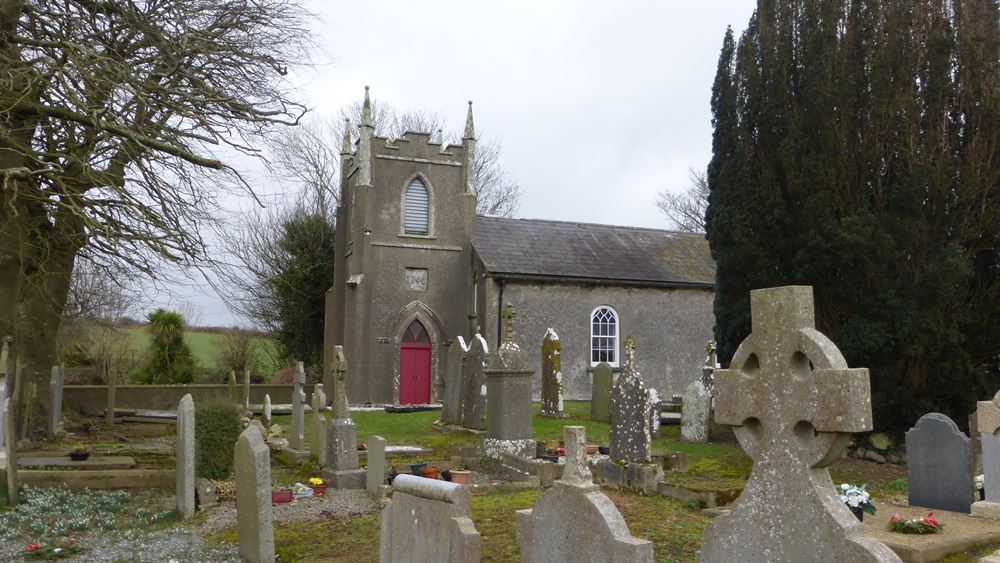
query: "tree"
686, 211
109, 112
170, 359
857, 149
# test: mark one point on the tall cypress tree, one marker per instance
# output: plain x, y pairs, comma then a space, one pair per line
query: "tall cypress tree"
857, 149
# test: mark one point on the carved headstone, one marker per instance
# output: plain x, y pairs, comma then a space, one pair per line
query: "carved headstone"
574, 520
451, 406
630, 412
793, 403
376, 464
185, 457
428, 520
297, 438
508, 425
937, 465
696, 413
56, 398
474, 384
317, 439
254, 519
342, 467
338, 367
552, 397
600, 395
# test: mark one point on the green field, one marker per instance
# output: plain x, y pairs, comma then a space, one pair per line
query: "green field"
206, 347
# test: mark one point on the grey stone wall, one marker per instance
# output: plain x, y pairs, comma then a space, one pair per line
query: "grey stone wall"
671, 325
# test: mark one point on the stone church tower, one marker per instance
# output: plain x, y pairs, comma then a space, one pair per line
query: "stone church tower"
402, 277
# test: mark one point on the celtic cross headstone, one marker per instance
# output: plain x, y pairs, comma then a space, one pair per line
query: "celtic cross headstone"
794, 404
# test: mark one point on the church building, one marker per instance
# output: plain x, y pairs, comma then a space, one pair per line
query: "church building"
416, 268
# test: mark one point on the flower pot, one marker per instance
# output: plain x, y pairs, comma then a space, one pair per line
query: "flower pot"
460, 477
858, 512
279, 497
604, 450
430, 472
79, 456
591, 449
319, 490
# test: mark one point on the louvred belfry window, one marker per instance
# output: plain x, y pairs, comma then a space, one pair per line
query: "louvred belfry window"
416, 214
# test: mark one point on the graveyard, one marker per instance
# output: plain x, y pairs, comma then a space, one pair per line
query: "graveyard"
619, 478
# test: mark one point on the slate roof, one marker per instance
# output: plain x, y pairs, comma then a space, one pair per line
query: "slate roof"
586, 251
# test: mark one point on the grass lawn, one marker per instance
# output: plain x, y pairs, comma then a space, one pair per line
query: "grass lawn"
205, 346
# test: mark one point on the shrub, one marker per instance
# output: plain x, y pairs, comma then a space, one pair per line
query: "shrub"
216, 429
171, 360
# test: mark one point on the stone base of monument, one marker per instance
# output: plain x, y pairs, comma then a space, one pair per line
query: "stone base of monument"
986, 509
638, 476
346, 479
495, 449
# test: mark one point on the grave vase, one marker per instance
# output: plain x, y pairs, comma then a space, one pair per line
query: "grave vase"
858, 512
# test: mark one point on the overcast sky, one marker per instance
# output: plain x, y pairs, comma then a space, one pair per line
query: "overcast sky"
599, 105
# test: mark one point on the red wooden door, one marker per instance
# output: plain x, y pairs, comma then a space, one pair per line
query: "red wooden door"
415, 366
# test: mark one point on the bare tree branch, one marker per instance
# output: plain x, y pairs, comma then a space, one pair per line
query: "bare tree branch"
686, 211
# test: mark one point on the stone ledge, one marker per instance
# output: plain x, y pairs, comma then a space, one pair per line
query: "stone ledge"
100, 479
961, 533
981, 509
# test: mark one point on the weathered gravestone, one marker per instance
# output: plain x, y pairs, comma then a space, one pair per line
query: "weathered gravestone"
376, 465
574, 520
185, 457
342, 467
508, 425
630, 412
600, 394
696, 413
552, 397
56, 398
266, 414
254, 519
428, 520
793, 403
654, 414
474, 384
246, 386
297, 438
451, 405
987, 422
938, 465
10, 445
317, 440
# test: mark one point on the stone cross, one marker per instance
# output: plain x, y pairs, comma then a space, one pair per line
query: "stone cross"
297, 438
55, 398
317, 440
630, 413
552, 397
576, 469
508, 384
185, 457
341, 408
508, 315
254, 519
794, 404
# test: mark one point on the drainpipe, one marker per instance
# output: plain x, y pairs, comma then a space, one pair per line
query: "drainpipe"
501, 282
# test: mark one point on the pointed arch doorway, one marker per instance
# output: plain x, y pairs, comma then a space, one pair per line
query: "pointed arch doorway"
415, 365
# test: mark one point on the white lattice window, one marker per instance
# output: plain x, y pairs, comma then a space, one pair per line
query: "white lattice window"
604, 336
416, 213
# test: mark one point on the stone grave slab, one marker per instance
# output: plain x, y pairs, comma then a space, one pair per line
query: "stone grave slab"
961, 532
793, 404
938, 465
91, 463
254, 517
185, 457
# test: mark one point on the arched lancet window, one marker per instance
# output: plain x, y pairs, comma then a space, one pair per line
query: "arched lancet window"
416, 334
604, 336
416, 212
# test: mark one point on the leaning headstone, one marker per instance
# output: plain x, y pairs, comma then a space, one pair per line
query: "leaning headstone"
696, 413
474, 390
55, 397
937, 465
267, 411
574, 520
793, 404
254, 520
508, 382
552, 397
428, 520
297, 439
451, 406
185, 457
630, 417
600, 394
376, 464
317, 439
342, 466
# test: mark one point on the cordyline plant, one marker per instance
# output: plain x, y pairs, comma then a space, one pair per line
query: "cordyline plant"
113, 117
